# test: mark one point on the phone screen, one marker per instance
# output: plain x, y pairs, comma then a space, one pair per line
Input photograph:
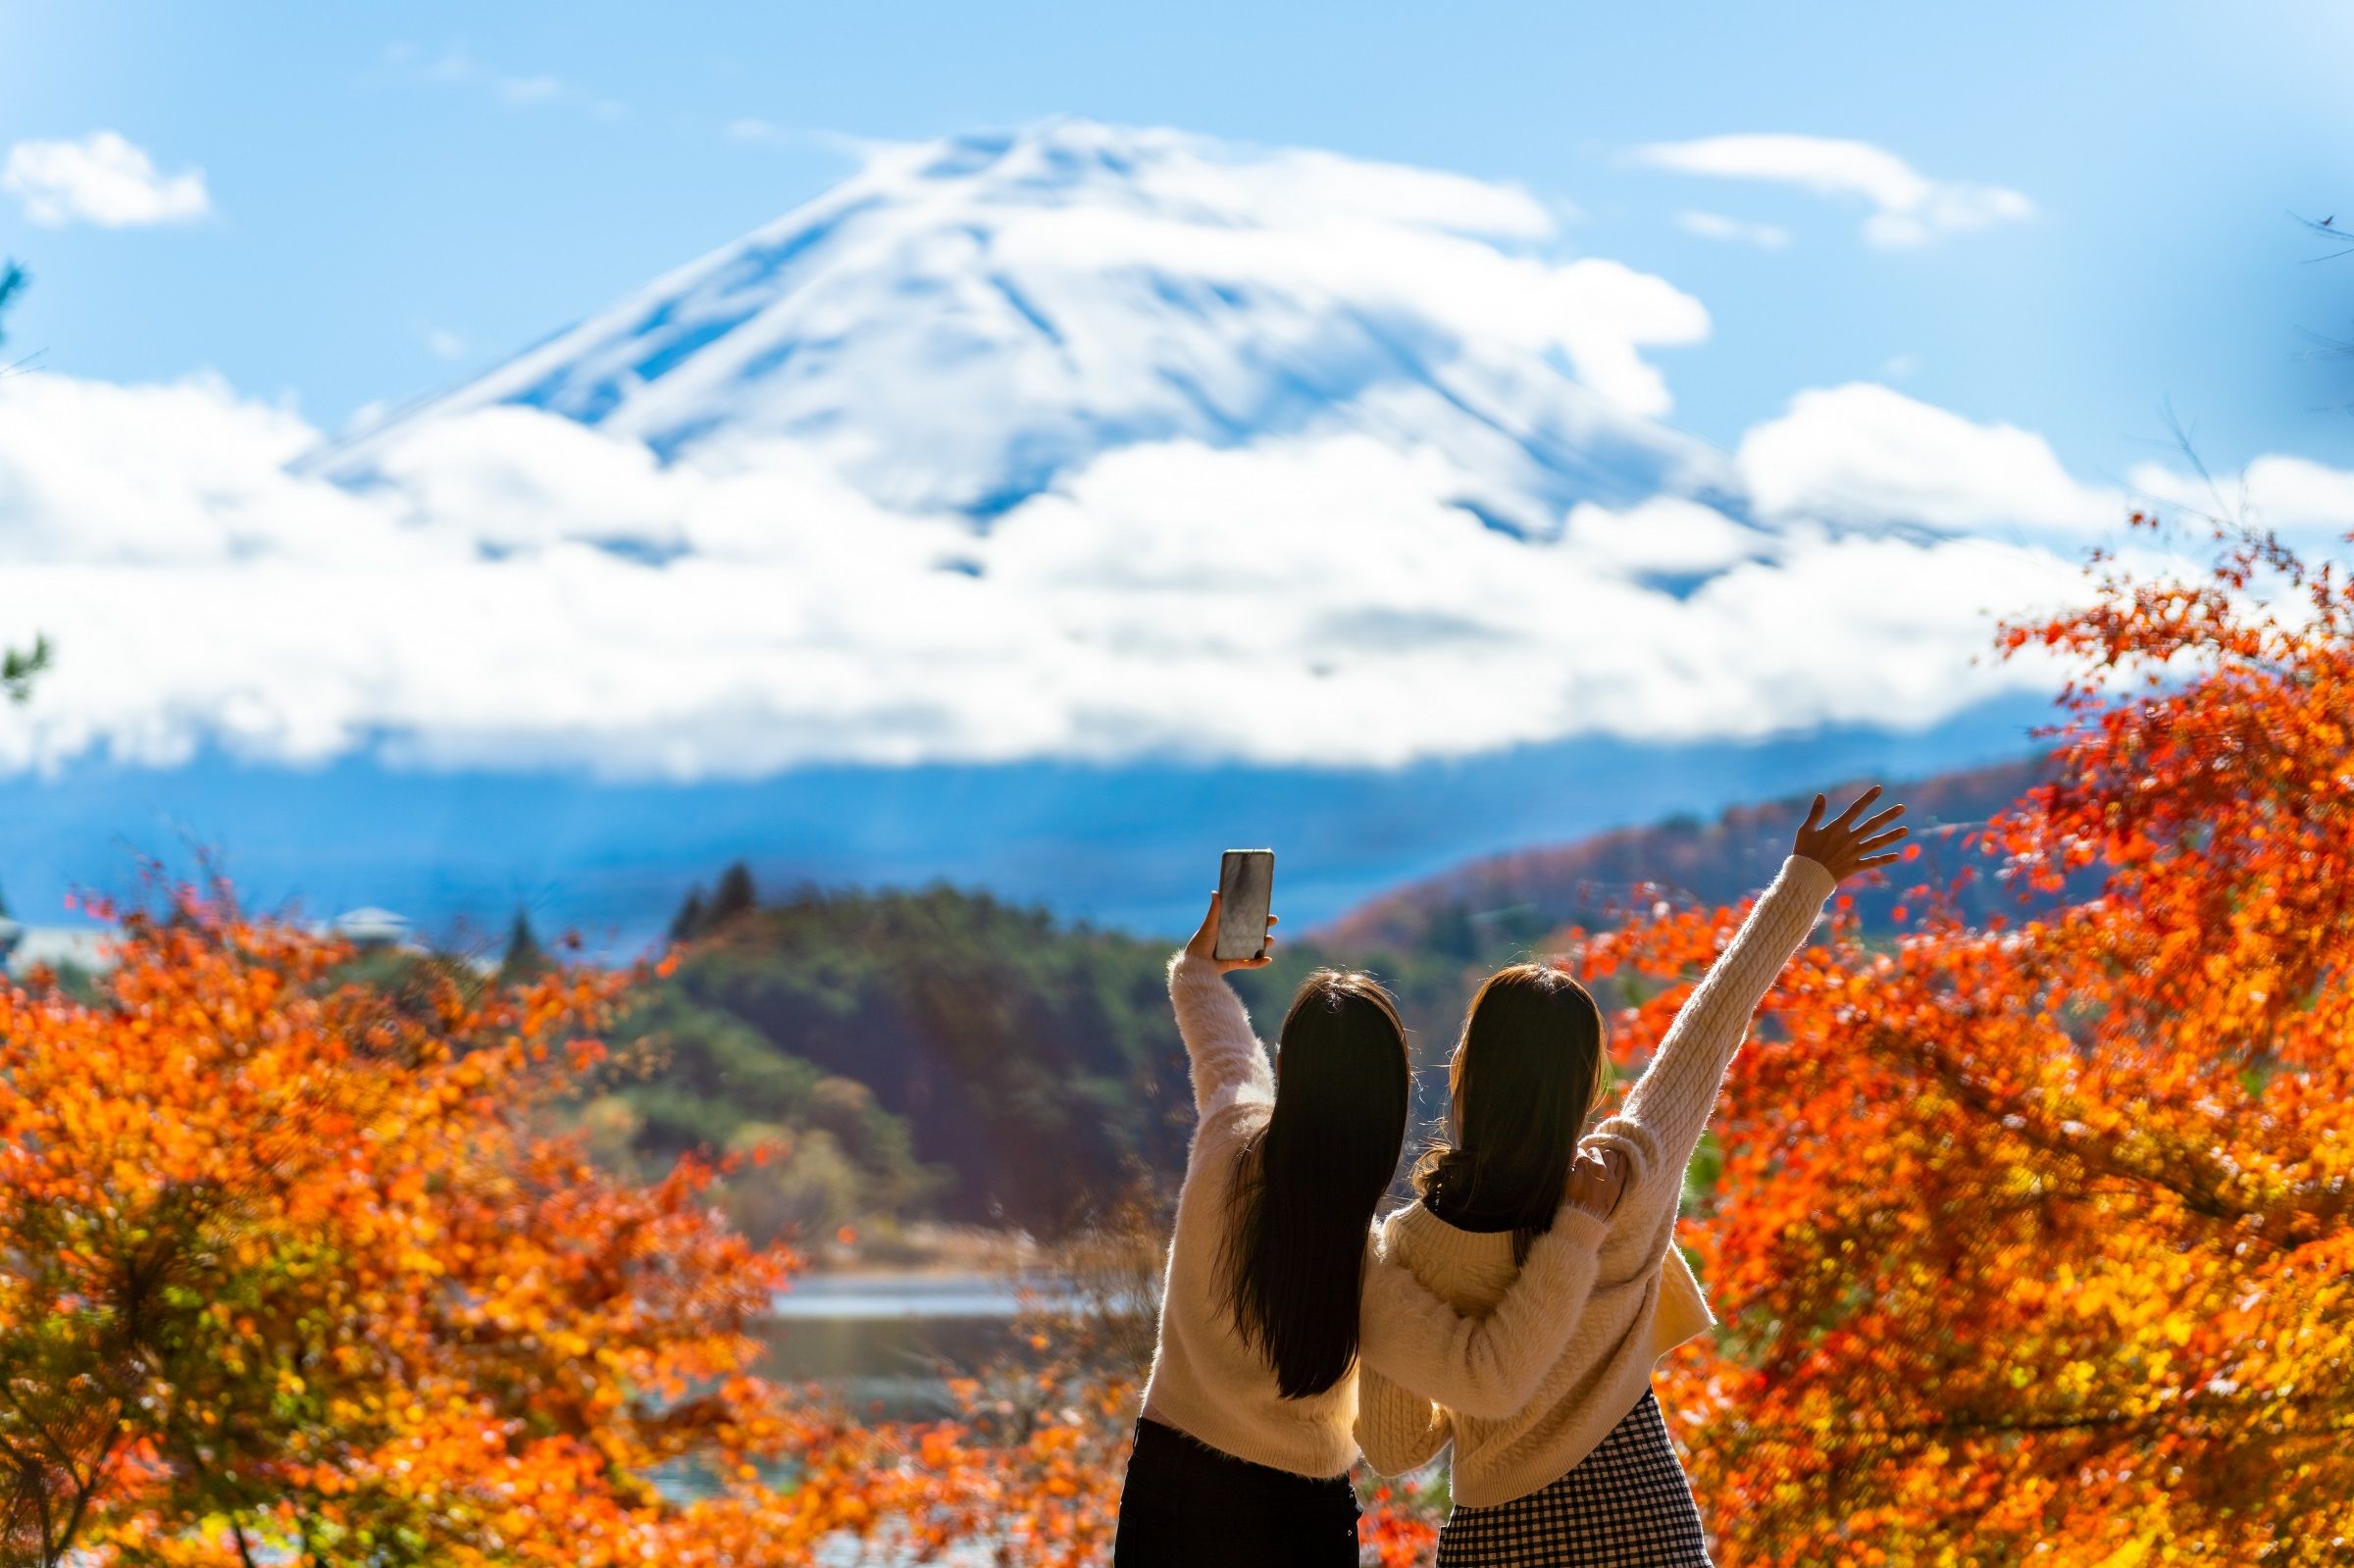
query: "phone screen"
1246, 888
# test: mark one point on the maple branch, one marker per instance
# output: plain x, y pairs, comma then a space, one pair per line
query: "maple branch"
237, 1533
83, 1481
2099, 1157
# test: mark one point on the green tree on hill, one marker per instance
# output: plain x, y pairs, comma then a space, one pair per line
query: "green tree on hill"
736, 895
524, 959
1039, 1064
692, 1078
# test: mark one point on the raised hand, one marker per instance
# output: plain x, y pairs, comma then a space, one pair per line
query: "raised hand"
1204, 943
1845, 845
1595, 1178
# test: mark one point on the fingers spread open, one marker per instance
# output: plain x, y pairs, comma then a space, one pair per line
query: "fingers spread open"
1848, 817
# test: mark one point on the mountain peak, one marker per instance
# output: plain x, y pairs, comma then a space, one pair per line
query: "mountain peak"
962, 324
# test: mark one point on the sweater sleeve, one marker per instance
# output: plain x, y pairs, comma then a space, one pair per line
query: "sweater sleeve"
1667, 1110
1482, 1366
1398, 1429
1229, 1064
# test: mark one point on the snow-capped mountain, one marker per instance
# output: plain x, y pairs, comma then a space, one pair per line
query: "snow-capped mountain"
963, 324
1043, 510
1078, 443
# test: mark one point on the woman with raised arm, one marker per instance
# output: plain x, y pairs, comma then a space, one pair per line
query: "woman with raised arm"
1584, 1472
1269, 1308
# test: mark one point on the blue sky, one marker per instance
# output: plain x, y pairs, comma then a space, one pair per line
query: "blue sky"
366, 211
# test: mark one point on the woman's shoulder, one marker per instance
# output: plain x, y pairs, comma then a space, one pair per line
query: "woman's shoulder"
1225, 1131
1389, 1232
1237, 1114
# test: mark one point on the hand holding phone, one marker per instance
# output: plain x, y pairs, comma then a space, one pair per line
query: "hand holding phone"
1235, 934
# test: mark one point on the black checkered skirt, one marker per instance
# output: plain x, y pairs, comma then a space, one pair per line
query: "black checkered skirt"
1624, 1506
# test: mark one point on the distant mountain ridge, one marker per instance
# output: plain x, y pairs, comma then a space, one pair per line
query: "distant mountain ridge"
1533, 892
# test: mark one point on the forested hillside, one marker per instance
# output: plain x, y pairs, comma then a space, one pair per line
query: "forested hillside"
928, 1053
938, 1053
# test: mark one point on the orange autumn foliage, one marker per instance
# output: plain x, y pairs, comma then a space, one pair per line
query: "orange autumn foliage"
288, 1270
2036, 1240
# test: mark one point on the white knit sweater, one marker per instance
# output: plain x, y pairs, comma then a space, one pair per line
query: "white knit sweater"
1210, 1384
1637, 1311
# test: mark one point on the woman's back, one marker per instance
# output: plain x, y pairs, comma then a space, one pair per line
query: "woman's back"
1631, 1316
1628, 1323
1207, 1380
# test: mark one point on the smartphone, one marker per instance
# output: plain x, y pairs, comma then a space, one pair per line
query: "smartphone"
1246, 888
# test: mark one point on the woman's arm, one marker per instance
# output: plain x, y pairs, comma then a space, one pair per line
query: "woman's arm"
1229, 1064
1667, 1110
1398, 1429
1483, 1366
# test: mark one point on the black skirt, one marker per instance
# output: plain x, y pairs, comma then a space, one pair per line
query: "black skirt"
1624, 1506
1186, 1505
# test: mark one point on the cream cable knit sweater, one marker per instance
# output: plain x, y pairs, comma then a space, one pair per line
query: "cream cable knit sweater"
1623, 1325
1209, 1384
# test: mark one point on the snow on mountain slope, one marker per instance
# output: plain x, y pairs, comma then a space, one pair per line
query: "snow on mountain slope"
963, 324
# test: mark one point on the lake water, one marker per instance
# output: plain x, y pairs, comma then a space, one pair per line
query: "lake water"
887, 1344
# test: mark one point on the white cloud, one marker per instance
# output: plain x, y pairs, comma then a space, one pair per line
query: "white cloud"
103, 179
1732, 231
1867, 454
1665, 535
442, 343
2305, 500
518, 588
1864, 454
1908, 208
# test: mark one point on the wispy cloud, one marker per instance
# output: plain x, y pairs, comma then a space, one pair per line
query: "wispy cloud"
103, 178
761, 133
442, 343
1733, 230
1908, 208
455, 68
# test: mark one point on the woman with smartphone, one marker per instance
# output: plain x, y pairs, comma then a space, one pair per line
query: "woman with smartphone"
1269, 1307
1584, 1473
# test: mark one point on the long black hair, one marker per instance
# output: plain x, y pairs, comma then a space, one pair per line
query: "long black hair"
1528, 1069
1305, 1192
